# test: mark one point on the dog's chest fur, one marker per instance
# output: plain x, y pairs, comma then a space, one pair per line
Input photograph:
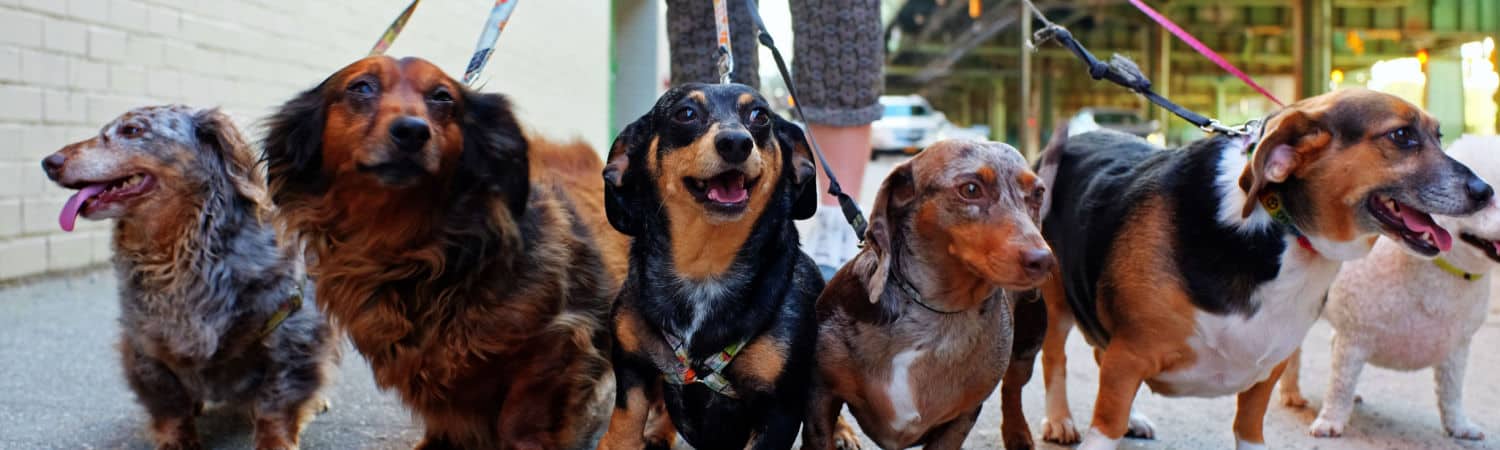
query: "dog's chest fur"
1408, 313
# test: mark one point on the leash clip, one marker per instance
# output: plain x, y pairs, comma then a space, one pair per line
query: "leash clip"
726, 52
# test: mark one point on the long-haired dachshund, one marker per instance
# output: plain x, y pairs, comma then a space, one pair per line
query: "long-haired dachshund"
211, 303
716, 315
471, 265
1199, 271
915, 332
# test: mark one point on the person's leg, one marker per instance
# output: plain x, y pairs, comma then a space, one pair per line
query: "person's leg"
837, 66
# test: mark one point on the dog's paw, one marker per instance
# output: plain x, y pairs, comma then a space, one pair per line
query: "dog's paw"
844, 437
1018, 440
1140, 427
324, 404
1464, 429
1060, 431
1325, 428
1293, 400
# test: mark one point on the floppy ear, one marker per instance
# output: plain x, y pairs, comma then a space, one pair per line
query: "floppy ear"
892, 205
804, 171
1290, 140
216, 132
293, 147
619, 195
494, 155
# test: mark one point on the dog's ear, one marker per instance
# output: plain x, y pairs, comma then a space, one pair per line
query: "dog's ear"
1290, 139
619, 190
793, 142
892, 205
293, 146
494, 158
216, 133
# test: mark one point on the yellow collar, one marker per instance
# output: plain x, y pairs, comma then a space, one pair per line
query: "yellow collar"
1457, 272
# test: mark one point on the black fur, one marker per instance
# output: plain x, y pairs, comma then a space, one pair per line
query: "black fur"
1103, 176
770, 290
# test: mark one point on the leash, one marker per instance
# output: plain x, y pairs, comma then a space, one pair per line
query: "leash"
852, 213
499, 17
394, 30
1455, 271
287, 307
726, 53
1203, 49
1121, 71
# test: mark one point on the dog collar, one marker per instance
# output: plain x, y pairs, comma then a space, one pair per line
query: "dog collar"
916, 297
713, 377
292, 303
1457, 272
1274, 206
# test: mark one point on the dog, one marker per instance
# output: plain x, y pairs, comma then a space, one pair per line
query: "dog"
472, 265
716, 315
1198, 271
211, 303
1370, 307
952, 236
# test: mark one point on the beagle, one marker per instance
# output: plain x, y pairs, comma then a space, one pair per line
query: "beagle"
1198, 271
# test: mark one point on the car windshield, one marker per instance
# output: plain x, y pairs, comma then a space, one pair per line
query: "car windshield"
905, 110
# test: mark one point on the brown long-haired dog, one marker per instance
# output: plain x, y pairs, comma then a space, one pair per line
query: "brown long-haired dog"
210, 303
471, 265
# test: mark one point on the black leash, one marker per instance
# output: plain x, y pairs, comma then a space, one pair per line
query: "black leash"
852, 214
1122, 71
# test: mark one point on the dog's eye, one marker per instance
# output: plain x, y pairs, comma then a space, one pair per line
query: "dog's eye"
1404, 138
362, 87
970, 191
685, 115
441, 95
130, 131
759, 117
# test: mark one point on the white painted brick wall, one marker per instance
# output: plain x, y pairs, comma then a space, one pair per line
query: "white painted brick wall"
69, 66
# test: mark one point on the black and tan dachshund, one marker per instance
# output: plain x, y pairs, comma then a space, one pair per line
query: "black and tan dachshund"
716, 314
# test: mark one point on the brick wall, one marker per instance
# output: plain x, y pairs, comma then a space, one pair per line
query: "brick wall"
69, 66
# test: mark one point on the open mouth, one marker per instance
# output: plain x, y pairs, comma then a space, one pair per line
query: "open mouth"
1413, 227
93, 196
727, 192
1489, 247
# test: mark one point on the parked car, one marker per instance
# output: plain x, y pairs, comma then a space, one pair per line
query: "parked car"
1122, 120
908, 125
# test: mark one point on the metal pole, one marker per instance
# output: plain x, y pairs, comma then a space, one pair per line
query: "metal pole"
1028, 133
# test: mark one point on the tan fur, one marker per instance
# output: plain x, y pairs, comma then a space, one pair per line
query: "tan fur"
697, 259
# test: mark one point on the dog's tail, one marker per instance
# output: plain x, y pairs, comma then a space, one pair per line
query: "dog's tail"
1046, 165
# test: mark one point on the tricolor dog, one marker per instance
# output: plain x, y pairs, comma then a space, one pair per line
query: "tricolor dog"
1198, 271
716, 314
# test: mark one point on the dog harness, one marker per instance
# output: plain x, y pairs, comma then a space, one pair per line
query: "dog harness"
292, 303
713, 367
1457, 272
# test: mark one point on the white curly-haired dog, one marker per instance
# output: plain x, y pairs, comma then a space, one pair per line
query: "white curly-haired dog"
1370, 309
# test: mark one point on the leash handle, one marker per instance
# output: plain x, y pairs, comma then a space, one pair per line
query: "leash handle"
499, 17
1203, 49
852, 213
726, 50
389, 37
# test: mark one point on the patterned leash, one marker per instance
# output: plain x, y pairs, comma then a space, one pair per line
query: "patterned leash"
726, 53
499, 17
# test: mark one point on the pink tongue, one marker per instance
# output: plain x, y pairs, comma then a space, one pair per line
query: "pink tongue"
727, 192
75, 203
1420, 223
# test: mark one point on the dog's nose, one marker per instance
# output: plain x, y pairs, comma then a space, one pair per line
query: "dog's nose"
1037, 262
734, 147
1479, 190
410, 132
53, 165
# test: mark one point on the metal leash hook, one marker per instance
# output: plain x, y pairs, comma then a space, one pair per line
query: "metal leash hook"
499, 17
726, 51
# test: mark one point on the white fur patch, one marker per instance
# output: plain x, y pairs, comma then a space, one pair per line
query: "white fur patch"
1096, 440
903, 399
1235, 351
703, 295
1241, 444
1232, 162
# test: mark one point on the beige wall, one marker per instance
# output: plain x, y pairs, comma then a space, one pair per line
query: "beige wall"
69, 66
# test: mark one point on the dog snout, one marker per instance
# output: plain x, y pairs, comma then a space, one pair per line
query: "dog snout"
1478, 190
410, 132
53, 165
734, 147
1037, 262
